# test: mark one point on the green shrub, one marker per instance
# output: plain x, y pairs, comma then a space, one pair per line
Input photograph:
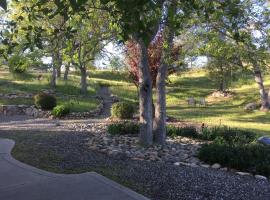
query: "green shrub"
188, 131
18, 64
228, 135
122, 110
45, 101
61, 110
124, 128
253, 158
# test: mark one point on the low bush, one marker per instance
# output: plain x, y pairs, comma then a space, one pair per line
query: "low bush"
122, 110
188, 131
60, 110
253, 158
228, 135
124, 128
45, 101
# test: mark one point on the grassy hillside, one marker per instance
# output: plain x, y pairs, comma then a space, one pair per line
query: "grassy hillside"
66, 92
220, 111
196, 84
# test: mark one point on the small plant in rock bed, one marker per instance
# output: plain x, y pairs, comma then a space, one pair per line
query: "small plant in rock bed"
61, 110
45, 101
122, 110
187, 131
228, 135
124, 128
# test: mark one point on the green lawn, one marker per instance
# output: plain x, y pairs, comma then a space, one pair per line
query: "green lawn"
66, 92
179, 88
220, 111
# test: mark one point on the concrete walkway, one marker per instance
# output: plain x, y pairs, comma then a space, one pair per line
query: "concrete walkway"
19, 181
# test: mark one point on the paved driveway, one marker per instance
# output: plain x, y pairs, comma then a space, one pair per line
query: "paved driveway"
19, 181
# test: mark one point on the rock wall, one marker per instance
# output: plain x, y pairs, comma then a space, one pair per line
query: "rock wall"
23, 110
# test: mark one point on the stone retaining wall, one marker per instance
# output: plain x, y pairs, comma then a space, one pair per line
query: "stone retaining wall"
28, 110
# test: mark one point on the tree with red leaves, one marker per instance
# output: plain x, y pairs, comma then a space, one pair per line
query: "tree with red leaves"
154, 58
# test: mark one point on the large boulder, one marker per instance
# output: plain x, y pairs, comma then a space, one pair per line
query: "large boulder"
250, 106
264, 140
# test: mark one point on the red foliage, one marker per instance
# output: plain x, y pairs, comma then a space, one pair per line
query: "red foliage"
154, 58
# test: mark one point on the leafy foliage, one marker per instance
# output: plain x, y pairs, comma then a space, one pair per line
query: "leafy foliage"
60, 110
122, 110
187, 131
254, 158
45, 101
155, 51
236, 149
124, 128
18, 64
231, 136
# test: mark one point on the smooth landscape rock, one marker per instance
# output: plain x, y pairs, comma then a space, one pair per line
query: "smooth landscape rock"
264, 140
243, 173
205, 166
250, 106
216, 166
260, 177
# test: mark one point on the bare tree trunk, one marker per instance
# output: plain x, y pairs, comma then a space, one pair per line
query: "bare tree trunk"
159, 124
145, 98
83, 80
59, 65
53, 77
58, 72
160, 108
259, 80
66, 72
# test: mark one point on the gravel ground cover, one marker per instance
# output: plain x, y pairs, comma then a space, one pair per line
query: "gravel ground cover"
68, 152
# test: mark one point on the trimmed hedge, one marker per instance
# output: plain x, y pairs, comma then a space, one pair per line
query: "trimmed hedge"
60, 110
253, 158
122, 110
124, 128
45, 101
188, 131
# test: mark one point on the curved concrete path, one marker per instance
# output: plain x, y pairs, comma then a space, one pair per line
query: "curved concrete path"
19, 181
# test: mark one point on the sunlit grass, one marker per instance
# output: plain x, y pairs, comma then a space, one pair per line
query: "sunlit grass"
220, 111
67, 92
180, 87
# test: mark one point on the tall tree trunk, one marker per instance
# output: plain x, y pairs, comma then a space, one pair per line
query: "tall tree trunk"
160, 108
222, 85
83, 80
59, 64
159, 125
58, 71
66, 72
145, 98
53, 75
259, 80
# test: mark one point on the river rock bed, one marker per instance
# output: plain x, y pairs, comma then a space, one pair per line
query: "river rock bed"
178, 149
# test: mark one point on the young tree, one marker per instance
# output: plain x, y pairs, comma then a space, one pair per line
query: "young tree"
92, 33
34, 28
238, 20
